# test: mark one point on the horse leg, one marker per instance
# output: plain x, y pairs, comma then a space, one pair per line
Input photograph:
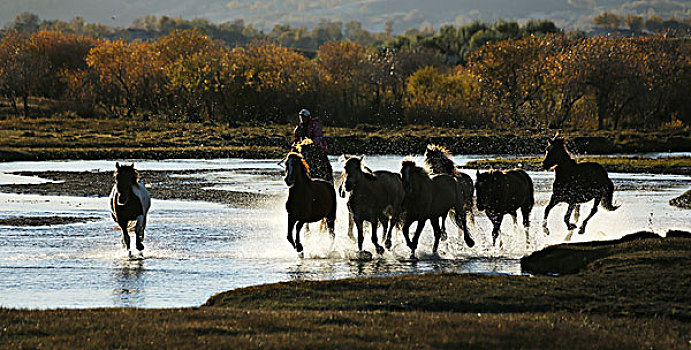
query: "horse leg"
385, 233
577, 213
514, 216
592, 212
552, 203
375, 239
496, 219
418, 231
351, 223
360, 234
139, 231
406, 236
298, 245
444, 236
525, 212
125, 234
291, 224
567, 217
437, 234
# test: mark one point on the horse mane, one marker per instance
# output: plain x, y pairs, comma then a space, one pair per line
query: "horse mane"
411, 164
443, 155
302, 160
305, 143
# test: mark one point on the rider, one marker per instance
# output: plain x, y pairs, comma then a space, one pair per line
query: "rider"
309, 127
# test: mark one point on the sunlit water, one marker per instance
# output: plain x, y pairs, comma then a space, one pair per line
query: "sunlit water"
197, 249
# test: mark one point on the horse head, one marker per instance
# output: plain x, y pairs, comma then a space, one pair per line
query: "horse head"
295, 163
486, 187
125, 177
555, 153
409, 171
352, 172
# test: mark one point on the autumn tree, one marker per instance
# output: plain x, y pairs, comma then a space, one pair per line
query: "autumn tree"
512, 73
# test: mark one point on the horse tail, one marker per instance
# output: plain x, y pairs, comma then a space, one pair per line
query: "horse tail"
607, 199
459, 215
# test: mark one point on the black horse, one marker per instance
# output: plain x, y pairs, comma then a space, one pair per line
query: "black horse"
309, 200
576, 183
504, 192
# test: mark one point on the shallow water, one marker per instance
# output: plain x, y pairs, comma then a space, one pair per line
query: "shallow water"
196, 249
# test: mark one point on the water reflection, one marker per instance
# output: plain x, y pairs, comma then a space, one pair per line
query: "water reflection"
129, 283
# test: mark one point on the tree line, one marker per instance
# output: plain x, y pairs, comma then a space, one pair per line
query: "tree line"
480, 75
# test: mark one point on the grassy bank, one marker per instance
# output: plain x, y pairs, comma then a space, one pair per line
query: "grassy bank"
680, 165
630, 294
75, 138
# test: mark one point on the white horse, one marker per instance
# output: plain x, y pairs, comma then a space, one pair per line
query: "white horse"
129, 202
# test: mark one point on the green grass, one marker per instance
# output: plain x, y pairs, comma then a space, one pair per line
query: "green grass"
683, 201
666, 165
627, 294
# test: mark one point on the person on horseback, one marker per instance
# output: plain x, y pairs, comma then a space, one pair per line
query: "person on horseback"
309, 127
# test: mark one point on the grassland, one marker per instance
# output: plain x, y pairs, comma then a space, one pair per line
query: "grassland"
78, 138
627, 294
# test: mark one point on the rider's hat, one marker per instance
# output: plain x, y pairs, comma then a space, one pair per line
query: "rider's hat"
304, 113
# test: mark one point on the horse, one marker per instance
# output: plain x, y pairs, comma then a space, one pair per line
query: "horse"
309, 200
374, 197
575, 183
438, 160
505, 192
430, 197
129, 201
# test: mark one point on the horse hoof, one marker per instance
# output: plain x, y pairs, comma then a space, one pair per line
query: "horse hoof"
581, 231
140, 246
380, 250
444, 236
364, 255
387, 244
571, 227
298, 247
469, 242
301, 255
413, 257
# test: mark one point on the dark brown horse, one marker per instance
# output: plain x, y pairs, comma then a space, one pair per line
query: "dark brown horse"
316, 158
309, 200
438, 160
576, 183
374, 197
430, 197
504, 192
129, 201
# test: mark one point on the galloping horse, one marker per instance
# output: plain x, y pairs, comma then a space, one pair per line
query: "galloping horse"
129, 201
438, 160
429, 198
374, 197
309, 200
504, 192
576, 183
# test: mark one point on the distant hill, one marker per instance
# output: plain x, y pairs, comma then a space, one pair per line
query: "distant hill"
373, 14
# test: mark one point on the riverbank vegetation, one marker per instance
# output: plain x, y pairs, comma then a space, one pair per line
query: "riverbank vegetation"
72, 137
625, 294
494, 76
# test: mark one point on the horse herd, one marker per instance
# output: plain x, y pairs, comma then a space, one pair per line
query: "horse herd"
417, 194
413, 195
